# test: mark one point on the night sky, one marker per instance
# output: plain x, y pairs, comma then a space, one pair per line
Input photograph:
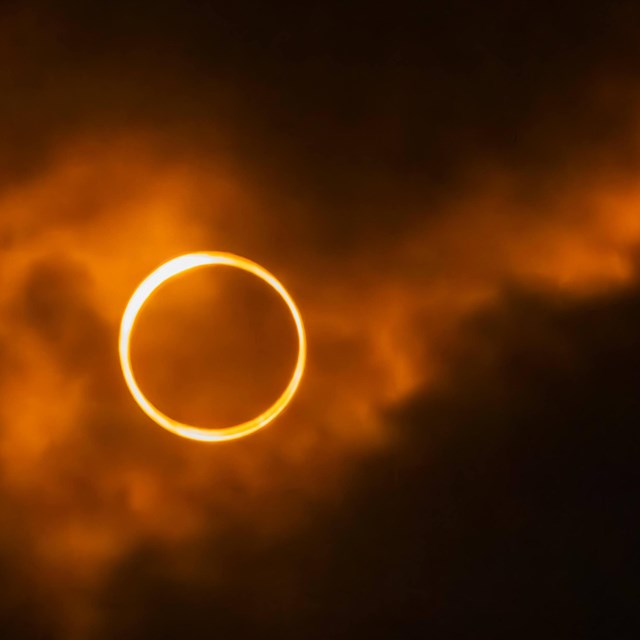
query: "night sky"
451, 193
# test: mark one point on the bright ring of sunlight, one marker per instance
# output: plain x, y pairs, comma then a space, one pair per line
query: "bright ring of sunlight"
142, 294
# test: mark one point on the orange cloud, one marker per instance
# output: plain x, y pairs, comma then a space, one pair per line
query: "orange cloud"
92, 478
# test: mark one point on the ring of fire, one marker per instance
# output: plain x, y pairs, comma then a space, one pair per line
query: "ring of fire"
144, 291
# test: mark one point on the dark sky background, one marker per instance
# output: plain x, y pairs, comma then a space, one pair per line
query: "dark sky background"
450, 192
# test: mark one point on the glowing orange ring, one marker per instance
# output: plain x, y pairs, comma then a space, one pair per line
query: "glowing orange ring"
141, 295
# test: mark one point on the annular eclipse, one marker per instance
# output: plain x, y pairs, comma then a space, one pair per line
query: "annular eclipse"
143, 293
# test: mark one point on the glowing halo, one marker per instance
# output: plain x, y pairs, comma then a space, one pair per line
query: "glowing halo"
140, 296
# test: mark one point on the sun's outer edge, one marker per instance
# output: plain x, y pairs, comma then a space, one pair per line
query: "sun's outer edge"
141, 295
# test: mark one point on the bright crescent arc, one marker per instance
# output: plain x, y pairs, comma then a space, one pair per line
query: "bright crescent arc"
144, 291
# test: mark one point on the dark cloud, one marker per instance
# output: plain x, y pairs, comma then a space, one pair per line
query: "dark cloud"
503, 508
57, 308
